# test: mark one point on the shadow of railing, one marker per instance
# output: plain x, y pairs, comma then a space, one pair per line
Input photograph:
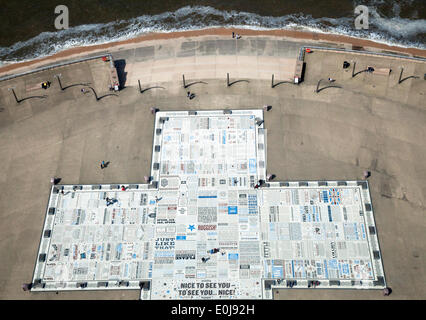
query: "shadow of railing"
355, 74
142, 91
72, 85
146, 89
409, 77
231, 83
27, 98
190, 84
273, 85
99, 98
281, 82
236, 81
318, 90
77, 84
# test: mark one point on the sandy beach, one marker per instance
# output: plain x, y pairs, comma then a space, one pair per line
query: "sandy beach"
222, 32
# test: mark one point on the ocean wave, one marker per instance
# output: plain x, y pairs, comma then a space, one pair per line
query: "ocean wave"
394, 31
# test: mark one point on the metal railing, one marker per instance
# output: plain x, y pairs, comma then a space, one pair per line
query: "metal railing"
56, 65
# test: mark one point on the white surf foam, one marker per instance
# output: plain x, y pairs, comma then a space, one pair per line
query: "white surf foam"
392, 31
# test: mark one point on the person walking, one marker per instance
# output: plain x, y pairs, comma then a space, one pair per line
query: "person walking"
387, 291
26, 286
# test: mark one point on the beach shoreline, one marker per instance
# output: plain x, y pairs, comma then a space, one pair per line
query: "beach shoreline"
291, 35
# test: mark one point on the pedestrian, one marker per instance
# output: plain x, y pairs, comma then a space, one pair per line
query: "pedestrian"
102, 164
238, 36
188, 94
387, 291
123, 188
233, 35
83, 90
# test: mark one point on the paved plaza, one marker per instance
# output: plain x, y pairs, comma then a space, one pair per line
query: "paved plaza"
209, 226
317, 144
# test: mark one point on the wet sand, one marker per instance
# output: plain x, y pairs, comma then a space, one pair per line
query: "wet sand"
285, 34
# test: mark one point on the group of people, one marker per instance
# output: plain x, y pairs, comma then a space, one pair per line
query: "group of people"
110, 201
190, 95
45, 85
259, 184
235, 35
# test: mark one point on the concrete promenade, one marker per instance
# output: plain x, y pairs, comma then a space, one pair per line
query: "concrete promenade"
371, 123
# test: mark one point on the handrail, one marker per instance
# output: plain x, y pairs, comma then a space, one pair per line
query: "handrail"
9, 77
